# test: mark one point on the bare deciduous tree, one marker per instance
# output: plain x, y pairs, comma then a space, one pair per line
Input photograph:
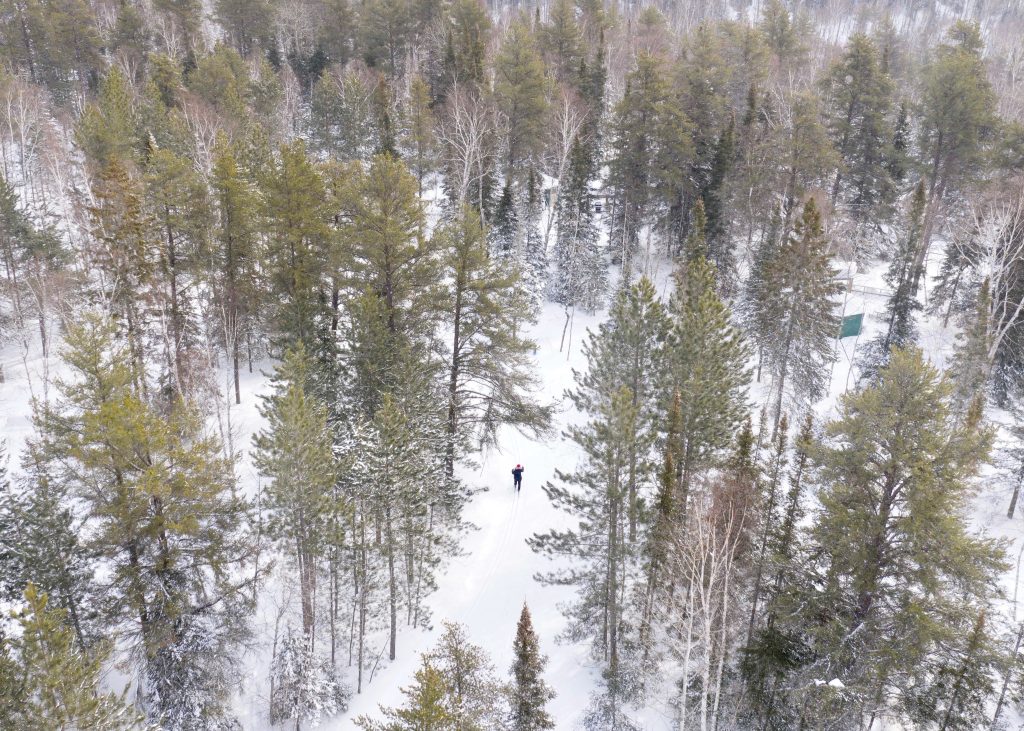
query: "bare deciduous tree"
467, 133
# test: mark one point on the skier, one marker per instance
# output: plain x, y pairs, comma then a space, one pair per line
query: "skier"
517, 476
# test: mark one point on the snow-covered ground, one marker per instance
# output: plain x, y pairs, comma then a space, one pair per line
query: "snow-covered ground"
485, 587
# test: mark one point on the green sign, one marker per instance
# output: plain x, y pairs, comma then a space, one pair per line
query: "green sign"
851, 325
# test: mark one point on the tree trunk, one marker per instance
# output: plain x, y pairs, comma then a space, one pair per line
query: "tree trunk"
176, 324
392, 587
234, 368
1016, 491
1011, 663
453, 383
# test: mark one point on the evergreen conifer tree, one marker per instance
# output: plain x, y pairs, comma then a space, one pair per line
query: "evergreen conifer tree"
707, 377
894, 560
298, 243
162, 510
303, 684
295, 451
900, 330
391, 272
529, 693
632, 156
41, 544
858, 100
489, 381
419, 141
54, 684
180, 211
562, 41
425, 708
235, 271
795, 328
714, 200
970, 368
958, 117
596, 495
580, 276
521, 89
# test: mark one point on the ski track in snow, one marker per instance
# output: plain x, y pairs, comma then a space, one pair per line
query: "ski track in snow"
485, 586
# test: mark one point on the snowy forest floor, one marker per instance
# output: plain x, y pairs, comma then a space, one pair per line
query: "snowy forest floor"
485, 586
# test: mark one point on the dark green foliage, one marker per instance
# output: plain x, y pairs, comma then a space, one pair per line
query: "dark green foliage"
958, 111
795, 328
707, 372
248, 22
858, 97
529, 693
894, 563
900, 330
162, 512
580, 277
490, 383
294, 204
55, 42
636, 117
714, 203
521, 88
295, 452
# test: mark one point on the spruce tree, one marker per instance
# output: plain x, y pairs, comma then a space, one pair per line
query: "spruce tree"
580, 276
707, 376
33, 256
562, 41
894, 558
303, 686
521, 90
970, 368
964, 672
295, 452
529, 693
714, 201
796, 327
632, 156
42, 544
858, 97
900, 329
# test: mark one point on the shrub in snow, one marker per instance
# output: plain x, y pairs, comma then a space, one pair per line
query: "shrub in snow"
303, 686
